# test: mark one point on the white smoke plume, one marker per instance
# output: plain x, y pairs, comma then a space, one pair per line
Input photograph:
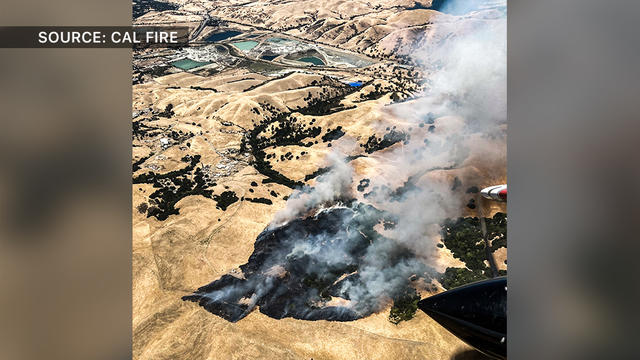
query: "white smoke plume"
464, 107
466, 94
329, 187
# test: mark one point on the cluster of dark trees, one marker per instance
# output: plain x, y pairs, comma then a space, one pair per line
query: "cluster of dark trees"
334, 134
377, 92
364, 183
375, 143
260, 200
286, 129
225, 199
140, 75
315, 174
141, 130
404, 306
167, 112
321, 107
136, 164
463, 237
174, 186
289, 131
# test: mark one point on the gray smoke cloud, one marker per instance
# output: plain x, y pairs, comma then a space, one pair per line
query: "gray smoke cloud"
367, 250
466, 93
329, 187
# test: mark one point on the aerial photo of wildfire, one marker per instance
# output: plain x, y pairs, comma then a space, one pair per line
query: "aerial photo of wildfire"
304, 172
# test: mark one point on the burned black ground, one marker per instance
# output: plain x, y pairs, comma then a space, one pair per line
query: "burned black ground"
296, 268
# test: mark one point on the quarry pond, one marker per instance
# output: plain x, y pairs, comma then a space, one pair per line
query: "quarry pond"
312, 59
188, 64
221, 36
281, 49
245, 45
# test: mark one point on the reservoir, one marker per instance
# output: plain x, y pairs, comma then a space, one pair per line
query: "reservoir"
312, 59
219, 36
268, 57
245, 45
188, 64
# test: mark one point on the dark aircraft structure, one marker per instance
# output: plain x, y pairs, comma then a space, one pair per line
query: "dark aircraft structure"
476, 313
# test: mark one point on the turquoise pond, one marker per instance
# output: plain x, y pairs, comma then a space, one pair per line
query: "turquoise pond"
312, 59
245, 45
188, 64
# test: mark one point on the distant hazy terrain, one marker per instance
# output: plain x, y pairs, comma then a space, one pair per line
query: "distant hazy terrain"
283, 111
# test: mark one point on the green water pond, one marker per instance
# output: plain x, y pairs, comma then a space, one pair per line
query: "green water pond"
312, 59
188, 64
245, 45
